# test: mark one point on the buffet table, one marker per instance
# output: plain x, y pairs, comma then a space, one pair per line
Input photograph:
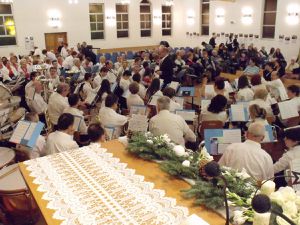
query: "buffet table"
82, 159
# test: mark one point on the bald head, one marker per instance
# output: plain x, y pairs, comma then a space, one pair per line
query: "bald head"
63, 89
163, 103
256, 132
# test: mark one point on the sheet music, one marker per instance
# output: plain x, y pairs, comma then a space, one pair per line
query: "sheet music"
187, 115
154, 100
238, 113
232, 136
288, 109
19, 132
205, 103
180, 100
90, 97
138, 123
138, 110
30, 131
77, 121
209, 91
174, 85
282, 93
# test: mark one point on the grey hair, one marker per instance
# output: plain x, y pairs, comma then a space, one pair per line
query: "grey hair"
61, 87
163, 103
257, 129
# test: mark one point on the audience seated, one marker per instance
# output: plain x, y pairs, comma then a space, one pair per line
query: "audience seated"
249, 155
171, 124
62, 139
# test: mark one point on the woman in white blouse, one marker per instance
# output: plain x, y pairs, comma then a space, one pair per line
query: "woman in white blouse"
125, 81
260, 99
134, 98
292, 141
258, 114
245, 93
216, 110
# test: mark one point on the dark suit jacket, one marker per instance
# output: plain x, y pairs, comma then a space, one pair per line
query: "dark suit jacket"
166, 68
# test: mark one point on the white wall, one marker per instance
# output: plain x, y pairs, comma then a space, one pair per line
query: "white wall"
32, 20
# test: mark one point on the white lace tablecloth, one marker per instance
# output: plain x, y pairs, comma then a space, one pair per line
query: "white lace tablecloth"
89, 186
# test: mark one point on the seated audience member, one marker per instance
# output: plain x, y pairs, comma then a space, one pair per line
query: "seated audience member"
244, 93
154, 89
104, 91
99, 77
58, 102
74, 102
249, 155
39, 149
251, 69
260, 99
292, 142
268, 71
125, 81
258, 114
292, 66
96, 133
109, 117
134, 98
62, 139
278, 66
293, 92
142, 90
170, 92
78, 68
216, 110
38, 104
171, 124
276, 87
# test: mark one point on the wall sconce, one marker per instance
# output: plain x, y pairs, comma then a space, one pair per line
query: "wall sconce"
111, 18
190, 20
125, 2
156, 17
292, 14
247, 15
220, 16
54, 18
169, 3
73, 2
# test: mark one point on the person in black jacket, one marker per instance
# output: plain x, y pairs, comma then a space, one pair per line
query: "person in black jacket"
87, 52
212, 41
166, 66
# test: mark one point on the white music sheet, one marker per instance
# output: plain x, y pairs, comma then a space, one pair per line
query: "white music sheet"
228, 87
90, 98
288, 109
209, 91
187, 115
77, 121
30, 131
180, 100
138, 123
174, 85
204, 104
154, 100
232, 136
238, 113
19, 132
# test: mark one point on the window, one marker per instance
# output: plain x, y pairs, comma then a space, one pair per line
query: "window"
7, 25
166, 20
97, 20
145, 18
122, 20
205, 17
269, 20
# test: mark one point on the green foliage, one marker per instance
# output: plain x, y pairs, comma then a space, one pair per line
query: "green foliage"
175, 168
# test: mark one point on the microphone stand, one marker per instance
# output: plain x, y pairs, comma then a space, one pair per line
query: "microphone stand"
283, 216
225, 198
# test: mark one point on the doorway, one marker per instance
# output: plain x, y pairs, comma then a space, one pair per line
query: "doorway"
52, 40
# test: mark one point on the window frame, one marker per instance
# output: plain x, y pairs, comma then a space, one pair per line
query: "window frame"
122, 21
96, 22
5, 30
202, 25
146, 21
163, 28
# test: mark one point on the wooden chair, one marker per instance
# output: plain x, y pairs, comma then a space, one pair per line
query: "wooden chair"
291, 122
275, 149
213, 124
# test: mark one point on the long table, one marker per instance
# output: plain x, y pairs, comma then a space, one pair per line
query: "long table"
151, 173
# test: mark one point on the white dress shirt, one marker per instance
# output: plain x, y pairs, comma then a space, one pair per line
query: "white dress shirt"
124, 84
51, 56
250, 156
97, 81
284, 162
38, 104
209, 116
277, 89
134, 99
59, 141
64, 52
262, 104
57, 104
109, 117
29, 88
80, 70
39, 149
245, 94
76, 112
296, 101
174, 106
88, 90
173, 125
142, 91
68, 62
111, 76
5, 74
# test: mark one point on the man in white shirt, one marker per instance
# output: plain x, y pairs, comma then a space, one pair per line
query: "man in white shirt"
29, 87
249, 155
98, 78
96, 133
111, 74
109, 117
73, 100
64, 51
170, 92
293, 92
171, 124
134, 98
38, 104
62, 139
58, 102
68, 62
53, 76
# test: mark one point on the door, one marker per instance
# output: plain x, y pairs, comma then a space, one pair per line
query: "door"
52, 40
